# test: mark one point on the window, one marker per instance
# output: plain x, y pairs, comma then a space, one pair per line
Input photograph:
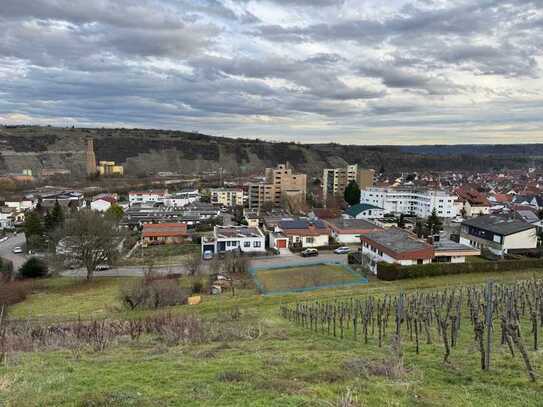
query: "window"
309, 239
246, 244
256, 244
380, 253
420, 261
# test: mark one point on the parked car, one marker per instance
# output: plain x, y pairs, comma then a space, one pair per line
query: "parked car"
102, 267
310, 252
342, 250
17, 250
208, 255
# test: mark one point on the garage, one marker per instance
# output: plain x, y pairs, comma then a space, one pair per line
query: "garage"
281, 243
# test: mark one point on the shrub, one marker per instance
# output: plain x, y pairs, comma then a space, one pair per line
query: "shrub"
197, 287
13, 292
390, 272
153, 293
34, 267
6, 268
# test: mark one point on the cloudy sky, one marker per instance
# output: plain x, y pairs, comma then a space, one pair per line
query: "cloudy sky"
361, 71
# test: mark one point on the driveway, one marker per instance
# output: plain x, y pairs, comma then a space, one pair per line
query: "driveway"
133, 271
6, 250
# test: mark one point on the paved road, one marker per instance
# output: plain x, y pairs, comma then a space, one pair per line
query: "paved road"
130, 271
7, 247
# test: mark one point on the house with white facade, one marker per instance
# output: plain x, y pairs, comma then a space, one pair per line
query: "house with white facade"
100, 205
498, 233
20, 205
395, 246
241, 239
411, 201
182, 198
305, 232
364, 211
449, 251
147, 197
349, 231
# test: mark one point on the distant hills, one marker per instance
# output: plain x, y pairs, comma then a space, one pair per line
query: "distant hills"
147, 152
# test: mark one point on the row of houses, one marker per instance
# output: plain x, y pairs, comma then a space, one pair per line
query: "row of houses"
164, 198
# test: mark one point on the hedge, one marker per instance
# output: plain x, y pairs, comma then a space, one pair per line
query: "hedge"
390, 272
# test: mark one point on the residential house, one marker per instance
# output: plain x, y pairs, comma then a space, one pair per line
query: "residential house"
364, 211
305, 232
535, 201
100, 205
348, 231
395, 246
20, 204
471, 202
103, 202
449, 251
325, 213
242, 239
147, 197
72, 199
182, 198
498, 233
164, 233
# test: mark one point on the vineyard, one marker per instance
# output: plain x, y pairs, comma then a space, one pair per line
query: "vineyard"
493, 318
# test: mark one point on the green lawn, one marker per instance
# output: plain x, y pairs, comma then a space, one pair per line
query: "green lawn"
304, 277
161, 255
282, 365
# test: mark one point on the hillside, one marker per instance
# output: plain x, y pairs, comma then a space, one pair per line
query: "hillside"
146, 152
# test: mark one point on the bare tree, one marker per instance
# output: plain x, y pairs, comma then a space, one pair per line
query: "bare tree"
91, 240
193, 263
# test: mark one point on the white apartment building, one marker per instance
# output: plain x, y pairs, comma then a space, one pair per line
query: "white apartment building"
227, 196
182, 198
175, 199
411, 201
149, 197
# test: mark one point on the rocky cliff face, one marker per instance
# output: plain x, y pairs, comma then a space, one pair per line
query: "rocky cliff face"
146, 152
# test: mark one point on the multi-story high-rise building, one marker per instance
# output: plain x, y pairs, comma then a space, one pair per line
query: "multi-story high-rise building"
335, 180
281, 183
411, 201
90, 157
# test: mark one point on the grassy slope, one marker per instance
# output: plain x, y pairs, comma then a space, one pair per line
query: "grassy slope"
286, 366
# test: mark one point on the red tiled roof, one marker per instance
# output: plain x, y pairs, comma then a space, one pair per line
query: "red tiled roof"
165, 230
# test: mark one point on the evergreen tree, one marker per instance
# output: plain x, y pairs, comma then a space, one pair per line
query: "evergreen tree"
33, 229
401, 221
58, 215
419, 229
352, 193
434, 224
115, 212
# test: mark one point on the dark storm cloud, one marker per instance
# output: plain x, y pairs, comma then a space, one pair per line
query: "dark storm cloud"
245, 64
